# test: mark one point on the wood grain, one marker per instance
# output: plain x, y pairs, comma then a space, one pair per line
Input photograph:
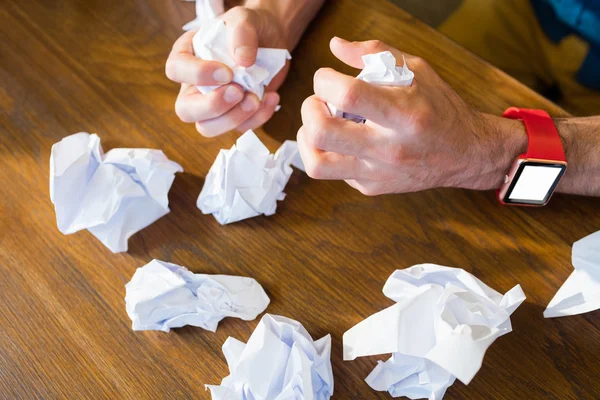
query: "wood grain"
97, 66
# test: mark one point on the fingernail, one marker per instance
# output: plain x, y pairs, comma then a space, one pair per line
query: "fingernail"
339, 39
222, 76
250, 103
245, 52
272, 99
232, 94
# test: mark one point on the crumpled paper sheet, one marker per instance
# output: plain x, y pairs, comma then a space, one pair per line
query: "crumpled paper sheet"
581, 291
210, 43
380, 69
280, 362
161, 296
443, 322
113, 195
247, 180
206, 10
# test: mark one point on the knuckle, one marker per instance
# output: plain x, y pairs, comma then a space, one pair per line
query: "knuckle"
315, 135
199, 74
368, 190
202, 130
239, 12
181, 112
423, 118
390, 112
418, 63
375, 45
245, 24
319, 75
304, 110
350, 97
171, 69
397, 156
314, 168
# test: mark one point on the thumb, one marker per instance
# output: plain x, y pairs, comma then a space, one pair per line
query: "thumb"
242, 35
351, 52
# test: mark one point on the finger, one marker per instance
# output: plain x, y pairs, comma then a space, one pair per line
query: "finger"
327, 165
376, 103
328, 133
184, 67
368, 188
231, 119
351, 52
192, 106
242, 35
265, 112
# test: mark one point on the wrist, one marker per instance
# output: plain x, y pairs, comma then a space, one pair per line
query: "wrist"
501, 141
582, 150
270, 18
292, 16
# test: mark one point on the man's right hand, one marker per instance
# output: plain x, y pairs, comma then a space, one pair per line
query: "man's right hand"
228, 107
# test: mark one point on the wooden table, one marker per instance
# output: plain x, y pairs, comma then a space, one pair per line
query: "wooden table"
97, 66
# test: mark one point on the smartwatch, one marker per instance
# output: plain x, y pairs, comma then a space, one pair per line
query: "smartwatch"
534, 175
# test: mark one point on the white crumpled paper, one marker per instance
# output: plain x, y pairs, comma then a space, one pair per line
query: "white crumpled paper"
280, 362
442, 323
581, 291
210, 43
380, 69
113, 195
247, 180
206, 10
161, 296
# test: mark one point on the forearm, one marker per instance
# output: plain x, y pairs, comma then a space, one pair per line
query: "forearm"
581, 140
293, 15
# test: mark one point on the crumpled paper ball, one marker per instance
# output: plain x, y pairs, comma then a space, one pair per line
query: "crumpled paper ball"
247, 180
113, 195
581, 291
443, 322
280, 362
210, 43
161, 296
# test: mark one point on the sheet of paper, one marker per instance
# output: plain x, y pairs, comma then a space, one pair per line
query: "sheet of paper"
380, 69
210, 43
442, 323
206, 10
280, 361
113, 195
161, 296
247, 180
581, 291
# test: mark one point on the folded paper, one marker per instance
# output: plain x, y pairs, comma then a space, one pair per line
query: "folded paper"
247, 180
442, 323
581, 291
113, 195
210, 43
380, 69
206, 10
280, 361
161, 296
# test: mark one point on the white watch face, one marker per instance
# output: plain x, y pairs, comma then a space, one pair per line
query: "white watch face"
534, 183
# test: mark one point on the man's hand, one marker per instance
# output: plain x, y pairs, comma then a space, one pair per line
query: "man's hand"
228, 107
415, 138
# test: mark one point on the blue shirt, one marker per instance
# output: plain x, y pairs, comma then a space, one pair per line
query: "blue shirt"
560, 18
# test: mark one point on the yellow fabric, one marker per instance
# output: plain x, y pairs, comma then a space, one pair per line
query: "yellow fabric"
507, 34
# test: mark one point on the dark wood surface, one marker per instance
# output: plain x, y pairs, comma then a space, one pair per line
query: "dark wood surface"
90, 65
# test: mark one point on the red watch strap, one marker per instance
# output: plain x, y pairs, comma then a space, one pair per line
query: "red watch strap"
544, 140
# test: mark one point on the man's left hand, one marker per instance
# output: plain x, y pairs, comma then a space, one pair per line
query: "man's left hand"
415, 138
